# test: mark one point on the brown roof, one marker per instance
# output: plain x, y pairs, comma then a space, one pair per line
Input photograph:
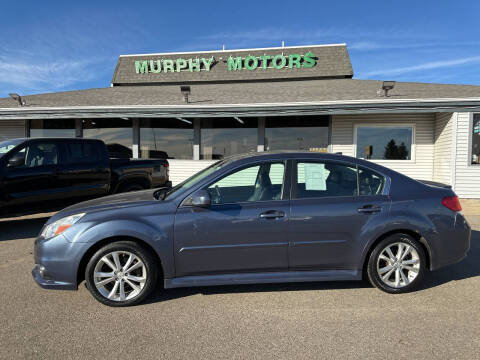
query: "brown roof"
247, 93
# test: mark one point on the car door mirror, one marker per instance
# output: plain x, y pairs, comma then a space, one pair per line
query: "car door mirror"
200, 198
16, 160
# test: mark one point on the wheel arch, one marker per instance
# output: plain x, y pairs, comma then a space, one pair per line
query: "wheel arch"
415, 234
101, 243
143, 181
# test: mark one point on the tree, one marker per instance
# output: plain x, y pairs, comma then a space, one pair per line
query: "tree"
402, 152
391, 151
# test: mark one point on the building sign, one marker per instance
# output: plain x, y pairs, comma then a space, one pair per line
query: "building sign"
238, 63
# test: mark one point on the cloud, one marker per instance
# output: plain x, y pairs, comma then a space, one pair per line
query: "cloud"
424, 66
44, 75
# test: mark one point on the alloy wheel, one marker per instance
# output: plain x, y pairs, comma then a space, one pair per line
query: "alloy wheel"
398, 264
120, 276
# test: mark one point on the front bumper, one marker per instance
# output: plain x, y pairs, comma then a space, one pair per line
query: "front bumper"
50, 284
59, 260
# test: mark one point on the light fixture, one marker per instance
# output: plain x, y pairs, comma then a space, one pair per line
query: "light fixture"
239, 120
18, 98
387, 86
186, 91
184, 120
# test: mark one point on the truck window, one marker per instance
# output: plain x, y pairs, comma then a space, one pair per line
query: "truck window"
37, 154
80, 153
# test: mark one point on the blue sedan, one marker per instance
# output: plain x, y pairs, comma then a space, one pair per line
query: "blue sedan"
257, 218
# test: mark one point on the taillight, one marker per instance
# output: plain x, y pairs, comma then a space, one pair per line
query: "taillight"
452, 203
167, 164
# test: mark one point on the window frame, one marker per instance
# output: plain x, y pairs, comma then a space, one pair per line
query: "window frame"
294, 178
286, 186
389, 125
470, 139
24, 145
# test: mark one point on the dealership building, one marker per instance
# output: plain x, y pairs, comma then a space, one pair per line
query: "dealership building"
197, 107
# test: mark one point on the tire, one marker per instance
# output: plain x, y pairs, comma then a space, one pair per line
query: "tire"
385, 272
137, 284
131, 187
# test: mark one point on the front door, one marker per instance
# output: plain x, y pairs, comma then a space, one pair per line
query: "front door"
35, 178
245, 228
331, 206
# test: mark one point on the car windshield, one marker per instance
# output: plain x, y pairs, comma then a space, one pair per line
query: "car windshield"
191, 181
6, 146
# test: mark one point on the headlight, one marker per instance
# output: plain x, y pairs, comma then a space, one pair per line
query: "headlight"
60, 226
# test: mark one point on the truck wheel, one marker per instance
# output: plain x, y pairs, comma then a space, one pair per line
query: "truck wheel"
122, 273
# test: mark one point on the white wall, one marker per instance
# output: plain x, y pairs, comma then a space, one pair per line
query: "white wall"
183, 169
420, 167
443, 150
11, 129
467, 177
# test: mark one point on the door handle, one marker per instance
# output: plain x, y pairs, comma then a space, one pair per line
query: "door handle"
369, 209
272, 214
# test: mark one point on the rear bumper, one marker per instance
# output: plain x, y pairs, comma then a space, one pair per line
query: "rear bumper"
450, 247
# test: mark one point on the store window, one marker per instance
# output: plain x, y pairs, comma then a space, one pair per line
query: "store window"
166, 138
475, 135
52, 128
381, 142
221, 137
296, 133
117, 134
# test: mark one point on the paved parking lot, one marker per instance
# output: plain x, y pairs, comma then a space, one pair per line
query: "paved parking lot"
293, 321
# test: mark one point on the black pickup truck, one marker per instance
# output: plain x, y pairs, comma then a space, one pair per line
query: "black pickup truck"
47, 169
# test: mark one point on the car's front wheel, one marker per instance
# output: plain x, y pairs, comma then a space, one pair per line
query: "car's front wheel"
122, 273
397, 264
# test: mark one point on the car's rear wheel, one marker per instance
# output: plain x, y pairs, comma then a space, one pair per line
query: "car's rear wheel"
122, 273
397, 264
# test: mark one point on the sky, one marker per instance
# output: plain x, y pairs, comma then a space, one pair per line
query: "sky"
50, 46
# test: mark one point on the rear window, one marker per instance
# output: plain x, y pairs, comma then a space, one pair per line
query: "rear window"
82, 152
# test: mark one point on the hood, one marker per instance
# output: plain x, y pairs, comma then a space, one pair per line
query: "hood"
109, 202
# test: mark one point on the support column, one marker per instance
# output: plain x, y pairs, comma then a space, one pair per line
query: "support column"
196, 138
329, 146
27, 128
261, 134
79, 128
136, 138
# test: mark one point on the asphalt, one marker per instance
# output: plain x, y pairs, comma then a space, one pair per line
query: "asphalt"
347, 320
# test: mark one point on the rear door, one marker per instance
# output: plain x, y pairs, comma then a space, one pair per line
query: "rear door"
84, 169
332, 203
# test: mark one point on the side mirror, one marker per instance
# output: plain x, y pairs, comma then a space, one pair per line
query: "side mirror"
16, 160
201, 199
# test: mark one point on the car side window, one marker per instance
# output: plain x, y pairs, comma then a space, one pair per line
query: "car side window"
36, 155
262, 182
370, 182
325, 179
81, 153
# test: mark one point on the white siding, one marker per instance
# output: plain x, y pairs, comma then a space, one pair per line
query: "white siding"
443, 150
467, 177
10, 129
421, 167
183, 169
